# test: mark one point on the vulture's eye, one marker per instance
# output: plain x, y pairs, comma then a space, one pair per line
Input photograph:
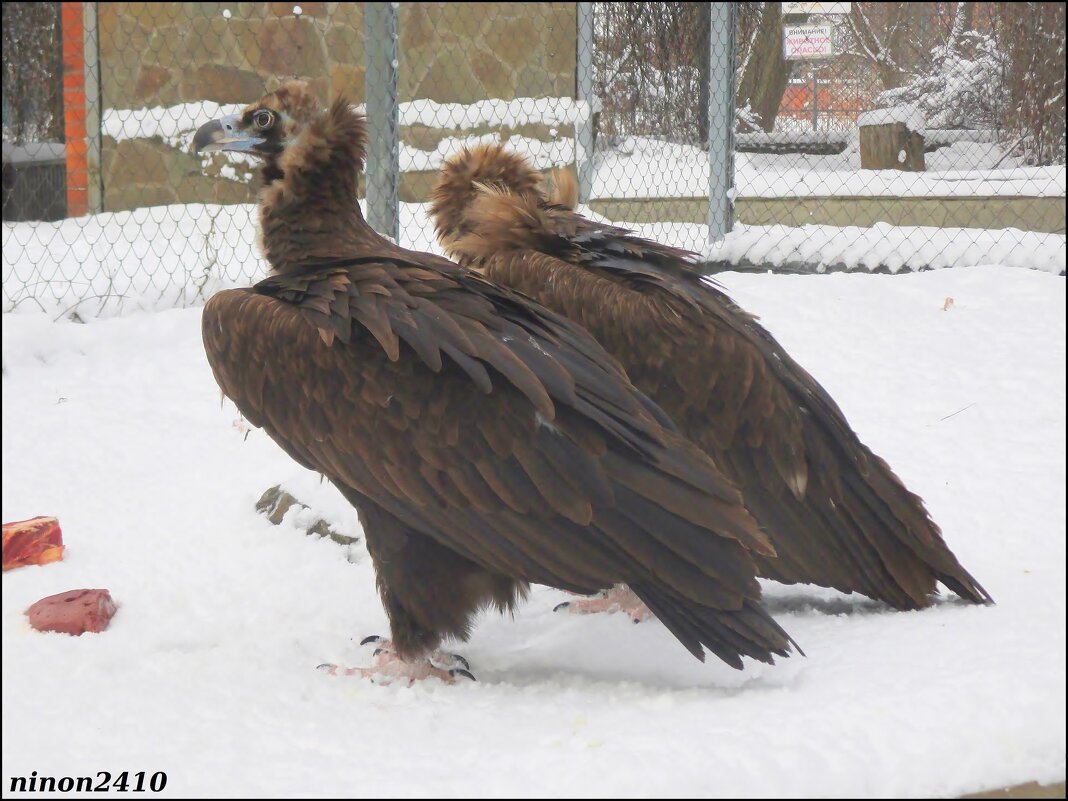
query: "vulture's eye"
263, 119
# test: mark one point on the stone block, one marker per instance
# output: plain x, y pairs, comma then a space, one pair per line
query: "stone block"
287, 46
344, 44
221, 84
151, 81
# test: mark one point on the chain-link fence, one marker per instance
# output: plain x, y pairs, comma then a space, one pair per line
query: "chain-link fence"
788, 136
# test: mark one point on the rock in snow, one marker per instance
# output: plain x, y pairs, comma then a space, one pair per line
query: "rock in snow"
73, 612
275, 502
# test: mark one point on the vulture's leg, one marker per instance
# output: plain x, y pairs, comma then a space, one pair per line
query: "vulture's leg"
618, 599
388, 666
429, 593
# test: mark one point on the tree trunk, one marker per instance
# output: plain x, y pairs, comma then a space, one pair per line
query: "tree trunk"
888, 48
766, 71
901, 20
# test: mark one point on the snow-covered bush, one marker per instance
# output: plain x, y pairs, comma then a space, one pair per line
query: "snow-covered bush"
961, 87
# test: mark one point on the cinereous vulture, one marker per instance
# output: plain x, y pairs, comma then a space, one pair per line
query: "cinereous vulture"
834, 511
485, 441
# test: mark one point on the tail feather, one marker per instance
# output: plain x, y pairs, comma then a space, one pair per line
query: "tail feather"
729, 634
858, 528
923, 536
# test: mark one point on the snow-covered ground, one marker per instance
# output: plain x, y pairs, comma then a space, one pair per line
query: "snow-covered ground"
641, 167
165, 256
208, 670
881, 246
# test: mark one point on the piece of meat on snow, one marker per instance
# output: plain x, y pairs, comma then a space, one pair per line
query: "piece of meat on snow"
73, 612
36, 541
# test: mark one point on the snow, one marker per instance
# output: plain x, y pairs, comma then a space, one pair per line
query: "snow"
881, 247
160, 257
176, 125
152, 258
653, 168
952, 90
949, 135
908, 114
640, 166
543, 155
208, 670
171, 122
494, 112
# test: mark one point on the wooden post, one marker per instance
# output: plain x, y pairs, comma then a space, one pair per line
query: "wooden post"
73, 32
891, 146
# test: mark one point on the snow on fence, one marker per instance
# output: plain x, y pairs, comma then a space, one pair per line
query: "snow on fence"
564, 84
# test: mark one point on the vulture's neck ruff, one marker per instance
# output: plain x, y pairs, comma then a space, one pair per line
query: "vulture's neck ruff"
490, 206
467, 175
308, 205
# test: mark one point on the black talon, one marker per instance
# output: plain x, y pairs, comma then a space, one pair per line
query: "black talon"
461, 660
461, 672
564, 605
372, 638
325, 666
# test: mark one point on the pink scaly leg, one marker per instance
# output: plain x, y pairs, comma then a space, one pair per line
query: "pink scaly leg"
388, 667
618, 599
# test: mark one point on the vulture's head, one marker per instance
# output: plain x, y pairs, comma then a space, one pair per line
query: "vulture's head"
291, 132
471, 173
311, 157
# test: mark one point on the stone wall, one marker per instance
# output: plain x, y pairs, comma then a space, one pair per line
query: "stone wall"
463, 52
164, 54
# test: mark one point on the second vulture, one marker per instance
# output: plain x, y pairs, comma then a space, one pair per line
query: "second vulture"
835, 512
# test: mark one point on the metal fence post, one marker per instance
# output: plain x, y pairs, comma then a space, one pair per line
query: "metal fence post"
383, 118
815, 100
92, 109
721, 121
584, 91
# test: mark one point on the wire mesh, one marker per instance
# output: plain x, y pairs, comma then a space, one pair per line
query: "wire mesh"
883, 136
471, 73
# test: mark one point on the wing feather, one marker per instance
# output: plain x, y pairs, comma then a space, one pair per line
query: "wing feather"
519, 450
731, 387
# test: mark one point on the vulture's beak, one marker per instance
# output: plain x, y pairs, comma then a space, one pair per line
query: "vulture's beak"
225, 134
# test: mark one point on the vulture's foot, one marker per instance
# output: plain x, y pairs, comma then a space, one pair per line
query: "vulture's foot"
388, 667
618, 599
